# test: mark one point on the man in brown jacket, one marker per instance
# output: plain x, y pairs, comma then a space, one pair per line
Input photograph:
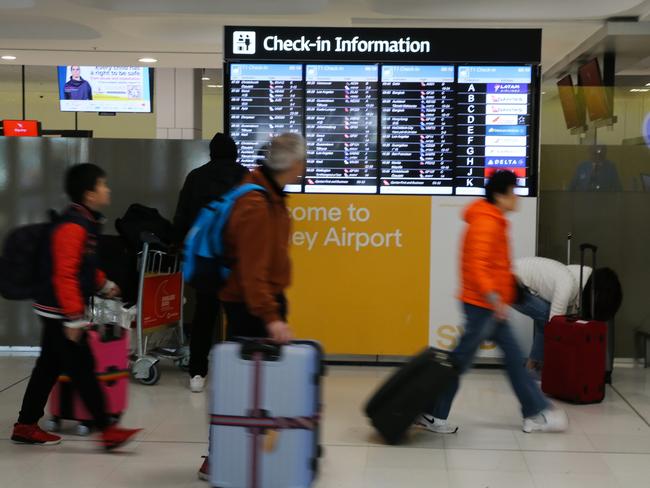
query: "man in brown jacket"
257, 240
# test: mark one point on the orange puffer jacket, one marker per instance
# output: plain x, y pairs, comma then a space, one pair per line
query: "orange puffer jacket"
486, 266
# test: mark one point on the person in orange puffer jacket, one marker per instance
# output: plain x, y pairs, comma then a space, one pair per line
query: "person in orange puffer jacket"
488, 288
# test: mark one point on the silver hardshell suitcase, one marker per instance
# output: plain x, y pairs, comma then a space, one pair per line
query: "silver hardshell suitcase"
265, 414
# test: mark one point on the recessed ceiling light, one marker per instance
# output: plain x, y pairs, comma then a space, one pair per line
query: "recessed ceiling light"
543, 93
213, 86
647, 84
8, 57
205, 78
219, 86
640, 90
148, 60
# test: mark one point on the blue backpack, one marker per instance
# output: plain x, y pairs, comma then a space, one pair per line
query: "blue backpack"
205, 267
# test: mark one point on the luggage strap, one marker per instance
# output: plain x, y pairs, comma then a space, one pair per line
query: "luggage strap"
258, 421
103, 377
271, 423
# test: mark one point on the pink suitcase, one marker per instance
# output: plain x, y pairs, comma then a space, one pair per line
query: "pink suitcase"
110, 346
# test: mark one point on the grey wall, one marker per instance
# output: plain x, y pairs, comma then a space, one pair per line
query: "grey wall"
31, 173
617, 222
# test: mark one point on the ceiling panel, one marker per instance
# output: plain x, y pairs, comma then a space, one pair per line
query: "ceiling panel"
238, 7
505, 9
11, 4
15, 25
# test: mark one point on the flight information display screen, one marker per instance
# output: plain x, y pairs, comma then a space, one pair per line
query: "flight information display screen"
341, 128
389, 128
417, 121
266, 100
493, 122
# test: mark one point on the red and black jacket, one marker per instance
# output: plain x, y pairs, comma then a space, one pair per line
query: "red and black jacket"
70, 270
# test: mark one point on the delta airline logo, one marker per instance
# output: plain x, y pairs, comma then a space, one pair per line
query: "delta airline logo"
243, 42
507, 88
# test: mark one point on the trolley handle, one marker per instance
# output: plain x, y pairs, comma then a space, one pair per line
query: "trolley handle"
151, 239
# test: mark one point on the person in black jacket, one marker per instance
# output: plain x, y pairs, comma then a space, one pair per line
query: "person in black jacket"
71, 277
202, 186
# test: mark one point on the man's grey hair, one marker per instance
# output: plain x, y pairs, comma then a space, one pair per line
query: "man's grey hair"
284, 151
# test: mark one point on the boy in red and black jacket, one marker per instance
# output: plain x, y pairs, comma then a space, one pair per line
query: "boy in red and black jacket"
71, 277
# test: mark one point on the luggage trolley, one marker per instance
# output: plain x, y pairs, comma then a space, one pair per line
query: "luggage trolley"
160, 307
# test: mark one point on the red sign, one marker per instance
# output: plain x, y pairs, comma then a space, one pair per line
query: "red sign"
161, 300
519, 172
21, 128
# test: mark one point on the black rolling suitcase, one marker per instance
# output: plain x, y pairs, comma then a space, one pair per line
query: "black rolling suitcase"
411, 391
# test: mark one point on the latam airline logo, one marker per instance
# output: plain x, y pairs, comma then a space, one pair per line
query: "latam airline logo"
505, 162
507, 88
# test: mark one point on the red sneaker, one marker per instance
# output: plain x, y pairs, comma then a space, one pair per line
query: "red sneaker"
33, 434
113, 437
204, 472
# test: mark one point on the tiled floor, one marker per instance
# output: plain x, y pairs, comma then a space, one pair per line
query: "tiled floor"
608, 445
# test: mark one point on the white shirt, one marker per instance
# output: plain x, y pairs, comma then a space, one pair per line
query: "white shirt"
552, 281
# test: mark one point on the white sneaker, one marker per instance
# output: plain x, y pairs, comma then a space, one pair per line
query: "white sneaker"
197, 384
549, 420
437, 426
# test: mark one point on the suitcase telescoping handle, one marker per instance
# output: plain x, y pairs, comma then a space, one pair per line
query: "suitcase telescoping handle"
268, 350
583, 251
568, 248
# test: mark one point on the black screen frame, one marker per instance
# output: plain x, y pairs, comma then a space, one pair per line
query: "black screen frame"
533, 167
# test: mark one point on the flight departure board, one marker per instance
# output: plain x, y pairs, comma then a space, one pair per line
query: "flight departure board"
417, 123
390, 128
341, 128
493, 120
266, 100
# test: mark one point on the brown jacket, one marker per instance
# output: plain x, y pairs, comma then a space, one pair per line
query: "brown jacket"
257, 239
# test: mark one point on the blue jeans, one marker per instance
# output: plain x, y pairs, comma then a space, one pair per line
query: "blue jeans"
539, 310
480, 326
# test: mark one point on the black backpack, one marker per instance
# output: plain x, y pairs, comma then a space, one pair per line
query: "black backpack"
22, 257
139, 219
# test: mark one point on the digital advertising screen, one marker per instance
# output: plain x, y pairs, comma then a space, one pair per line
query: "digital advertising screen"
386, 127
105, 89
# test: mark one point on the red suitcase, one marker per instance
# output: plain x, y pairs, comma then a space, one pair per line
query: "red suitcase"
575, 352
